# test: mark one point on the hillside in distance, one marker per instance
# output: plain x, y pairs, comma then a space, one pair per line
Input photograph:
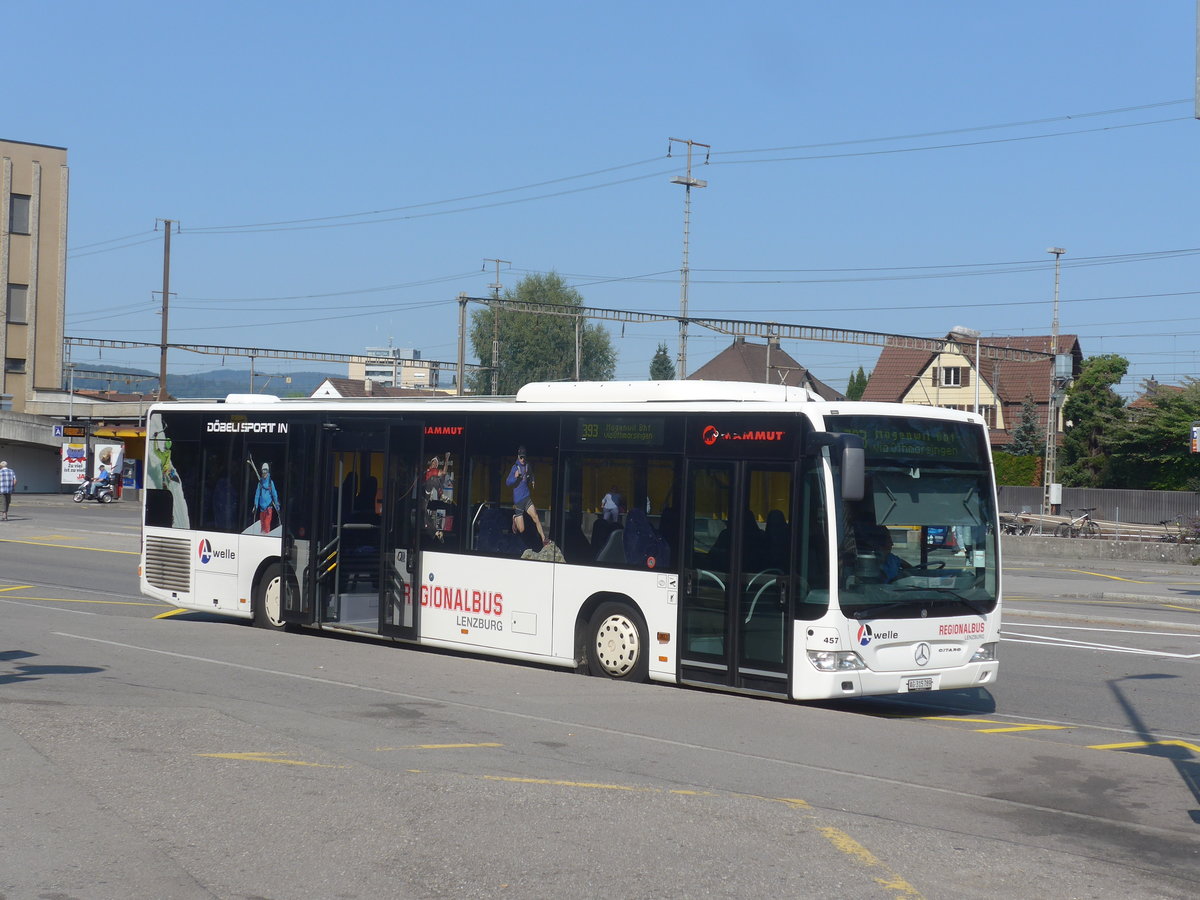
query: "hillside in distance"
215, 384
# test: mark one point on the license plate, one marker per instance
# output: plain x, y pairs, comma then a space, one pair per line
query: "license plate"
920, 684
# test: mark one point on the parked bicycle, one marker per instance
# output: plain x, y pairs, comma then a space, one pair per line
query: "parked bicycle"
1083, 526
1012, 523
1180, 530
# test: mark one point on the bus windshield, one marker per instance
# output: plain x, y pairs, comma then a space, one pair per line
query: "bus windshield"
922, 541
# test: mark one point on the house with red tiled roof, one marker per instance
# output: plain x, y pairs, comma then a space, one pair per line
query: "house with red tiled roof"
951, 379
762, 364
1148, 399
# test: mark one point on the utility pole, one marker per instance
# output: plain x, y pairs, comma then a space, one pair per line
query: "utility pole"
496, 286
688, 183
166, 300
1051, 456
462, 342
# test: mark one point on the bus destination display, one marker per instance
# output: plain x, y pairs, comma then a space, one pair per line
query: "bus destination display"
621, 431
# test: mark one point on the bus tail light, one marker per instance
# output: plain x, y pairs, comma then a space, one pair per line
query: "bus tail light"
835, 660
985, 653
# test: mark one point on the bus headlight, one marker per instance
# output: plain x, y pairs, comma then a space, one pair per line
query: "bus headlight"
835, 660
985, 653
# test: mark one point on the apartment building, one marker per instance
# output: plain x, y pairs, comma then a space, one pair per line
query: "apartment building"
33, 270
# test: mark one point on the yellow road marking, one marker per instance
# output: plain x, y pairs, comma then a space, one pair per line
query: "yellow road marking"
1113, 577
109, 602
171, 612
269, 758
1184, 608
1015, 728
436, 747
1006, 727
852, 848
1132, 580
70, 547
1141, 745
888, 879
579, 784
17, 587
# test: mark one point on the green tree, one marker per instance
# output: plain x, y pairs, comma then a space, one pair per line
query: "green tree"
661, 367
1095, 414
857, 385
1027, 437
1153, 451
539, 346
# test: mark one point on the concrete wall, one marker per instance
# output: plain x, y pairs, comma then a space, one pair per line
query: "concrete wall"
37, 468
33, 452
1082, 549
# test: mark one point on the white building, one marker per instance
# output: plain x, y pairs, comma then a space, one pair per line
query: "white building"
401, 367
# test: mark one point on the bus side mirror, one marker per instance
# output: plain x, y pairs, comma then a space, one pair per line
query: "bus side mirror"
853, 480
850, 458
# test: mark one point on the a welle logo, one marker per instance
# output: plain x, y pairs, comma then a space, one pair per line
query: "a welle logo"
206, 553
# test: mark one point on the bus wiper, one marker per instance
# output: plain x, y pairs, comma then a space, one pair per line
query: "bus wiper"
965, 601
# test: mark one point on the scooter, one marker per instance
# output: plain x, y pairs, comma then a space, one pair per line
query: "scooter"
102, 494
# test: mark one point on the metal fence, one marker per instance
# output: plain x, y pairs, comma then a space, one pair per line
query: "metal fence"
1136, 507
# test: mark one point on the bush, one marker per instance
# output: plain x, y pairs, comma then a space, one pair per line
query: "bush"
1017, 471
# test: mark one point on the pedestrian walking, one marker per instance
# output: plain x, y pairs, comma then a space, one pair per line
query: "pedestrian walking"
8, 483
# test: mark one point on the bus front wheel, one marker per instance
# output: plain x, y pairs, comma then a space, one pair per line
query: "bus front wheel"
617, 646
268, 599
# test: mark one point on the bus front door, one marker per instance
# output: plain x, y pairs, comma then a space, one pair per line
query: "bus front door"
736, 577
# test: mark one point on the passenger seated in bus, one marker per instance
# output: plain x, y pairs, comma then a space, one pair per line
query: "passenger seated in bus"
779, 535
611, 504
754, 546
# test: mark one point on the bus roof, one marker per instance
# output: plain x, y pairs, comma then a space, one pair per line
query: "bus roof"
662, 391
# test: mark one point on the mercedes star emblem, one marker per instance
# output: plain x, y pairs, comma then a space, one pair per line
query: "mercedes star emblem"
921, 654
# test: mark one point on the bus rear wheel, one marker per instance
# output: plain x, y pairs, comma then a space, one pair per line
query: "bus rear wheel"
617, 647
268, 599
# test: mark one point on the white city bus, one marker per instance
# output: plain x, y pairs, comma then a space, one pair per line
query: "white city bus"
730, 536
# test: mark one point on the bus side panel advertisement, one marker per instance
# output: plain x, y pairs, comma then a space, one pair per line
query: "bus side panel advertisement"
505, 604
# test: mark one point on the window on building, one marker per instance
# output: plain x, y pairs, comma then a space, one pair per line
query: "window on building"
14, 366
951, 376
18, 213
18, 304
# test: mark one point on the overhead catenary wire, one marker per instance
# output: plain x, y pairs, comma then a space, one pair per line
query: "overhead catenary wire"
385, 214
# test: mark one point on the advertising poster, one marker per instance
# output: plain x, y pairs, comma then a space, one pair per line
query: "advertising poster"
111, 456
74, 463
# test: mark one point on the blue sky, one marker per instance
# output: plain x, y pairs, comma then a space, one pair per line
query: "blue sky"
884, 166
